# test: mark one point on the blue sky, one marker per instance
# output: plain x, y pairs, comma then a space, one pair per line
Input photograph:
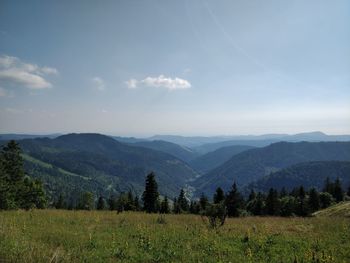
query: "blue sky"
138, 68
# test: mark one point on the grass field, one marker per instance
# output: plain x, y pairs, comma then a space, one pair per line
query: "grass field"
83, 236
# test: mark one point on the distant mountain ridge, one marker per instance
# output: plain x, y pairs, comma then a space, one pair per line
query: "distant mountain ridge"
254, 164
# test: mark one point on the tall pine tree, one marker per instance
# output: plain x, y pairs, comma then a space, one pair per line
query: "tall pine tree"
150, 195
234, 201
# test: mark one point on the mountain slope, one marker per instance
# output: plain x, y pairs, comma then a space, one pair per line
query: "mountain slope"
253, 164
99, 157
180, 152
209, 161
309, 174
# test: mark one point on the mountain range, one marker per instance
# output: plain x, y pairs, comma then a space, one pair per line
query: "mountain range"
107, 165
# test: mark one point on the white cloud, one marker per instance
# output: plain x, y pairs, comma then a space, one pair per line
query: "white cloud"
13, 71
99, 83
159, 82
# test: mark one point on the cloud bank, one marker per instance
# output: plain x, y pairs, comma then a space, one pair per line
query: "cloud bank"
13, 71
159, 82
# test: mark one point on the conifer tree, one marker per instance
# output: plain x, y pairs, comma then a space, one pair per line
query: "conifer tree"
111, 202
86, 201
252, 195
219, 196
338, 193
203, 202
272, 203
60, 204
16, 189
137, 203
301, 207
101, 204
233, 201
176, 207
150, 195
182, 201
328, 186
348, 193
258, 206
326, 199
164, 206
314, 200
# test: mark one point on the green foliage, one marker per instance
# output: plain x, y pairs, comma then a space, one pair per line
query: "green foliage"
234, 202
101, 203
150, 195
164, 206
219, 196
182, 202
272, 205
86, 201
215, 214
16, 189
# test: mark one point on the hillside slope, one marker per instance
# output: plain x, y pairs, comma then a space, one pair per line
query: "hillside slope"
339, 210
209, 161
309, 174
180, 152
97, 156
253, 164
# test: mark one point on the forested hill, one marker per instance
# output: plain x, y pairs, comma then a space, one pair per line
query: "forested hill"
102, 163
183, 153
308, 174
211, 160
252, 165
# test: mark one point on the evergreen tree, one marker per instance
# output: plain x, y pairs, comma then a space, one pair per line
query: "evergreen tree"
150, 195
17, 190
60, 204
195, 207
258, 205
86, 201
33, 195
328, 186
176, 207
272, 203
287, 204
203, 202
182, 201
137, 203
233, 201
252, 196
101, 204
338, 193
301, 207
326, 199
219, 196
6, 198
283, 192
112, 203
314, 200
348, 193
164, 206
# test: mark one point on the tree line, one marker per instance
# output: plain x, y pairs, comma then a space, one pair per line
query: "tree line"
17, 190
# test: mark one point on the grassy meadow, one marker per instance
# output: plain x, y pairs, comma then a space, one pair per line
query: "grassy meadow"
104, 236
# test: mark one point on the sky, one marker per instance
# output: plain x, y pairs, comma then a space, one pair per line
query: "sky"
196, 67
